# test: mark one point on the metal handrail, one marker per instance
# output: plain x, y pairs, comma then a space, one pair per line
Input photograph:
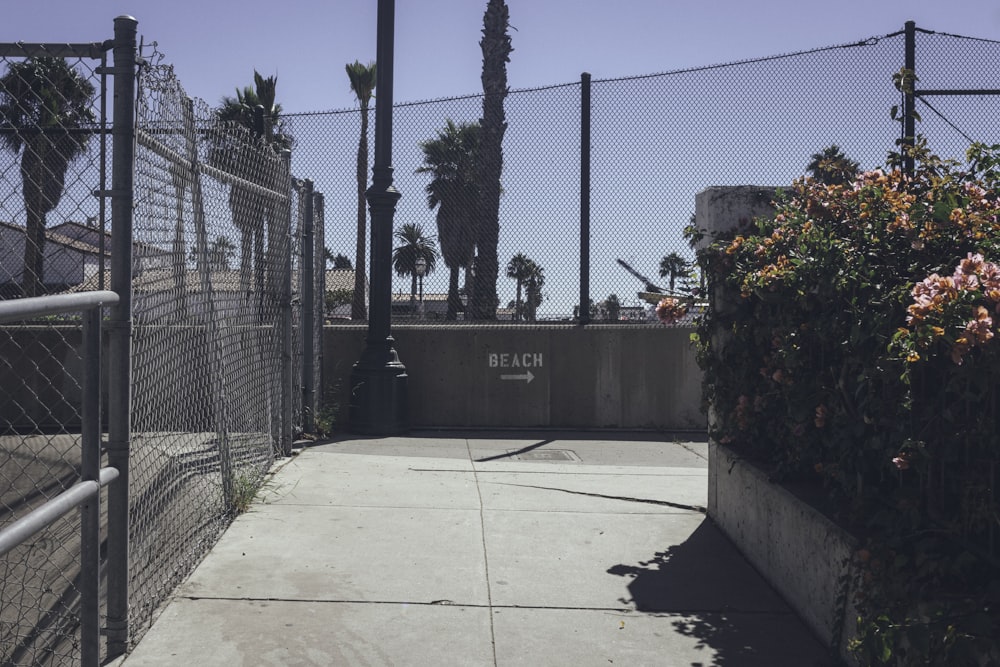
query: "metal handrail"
12, 310
52, 510
86, 493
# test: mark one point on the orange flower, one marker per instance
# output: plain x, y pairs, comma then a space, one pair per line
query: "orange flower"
821, 415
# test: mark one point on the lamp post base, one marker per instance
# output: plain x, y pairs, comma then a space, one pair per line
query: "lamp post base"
378, 394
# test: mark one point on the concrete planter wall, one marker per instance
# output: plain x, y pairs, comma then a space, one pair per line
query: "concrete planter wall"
804, 555
538, 376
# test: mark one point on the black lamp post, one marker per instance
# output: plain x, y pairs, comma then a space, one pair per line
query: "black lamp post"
378, 380
421, 267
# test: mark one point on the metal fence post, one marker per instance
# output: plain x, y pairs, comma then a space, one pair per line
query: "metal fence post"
319, 234
585, 198
909, 124
90, 512
285, 436
120, 330
308, 306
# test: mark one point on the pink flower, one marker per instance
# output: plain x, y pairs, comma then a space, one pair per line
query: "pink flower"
966, 281
970, 265
989, 276
958, 350
821, 415
670, 310
981, 328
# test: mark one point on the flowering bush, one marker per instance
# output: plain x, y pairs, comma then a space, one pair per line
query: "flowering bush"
971, 294
850, 345
670, 310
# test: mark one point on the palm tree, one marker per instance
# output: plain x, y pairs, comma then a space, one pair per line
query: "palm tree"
496, 48
533, 290
43, 104
613, 307
450, 159
362, 78
519, 268
237, 154
220, 251
675, 266
414, 245
339, 261
831, 167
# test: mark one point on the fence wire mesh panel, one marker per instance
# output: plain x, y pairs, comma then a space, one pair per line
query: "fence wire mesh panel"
51, 241
210, 243
435, 164
318, 304
308, 280
297, 267
39, 458
655, 142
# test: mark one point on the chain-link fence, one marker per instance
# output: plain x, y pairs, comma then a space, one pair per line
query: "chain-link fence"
655, 141
51, 158
219, 259
217, 308
308, 286
220, 374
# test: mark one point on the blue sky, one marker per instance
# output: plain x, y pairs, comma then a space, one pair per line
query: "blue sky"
705, 132
216, 44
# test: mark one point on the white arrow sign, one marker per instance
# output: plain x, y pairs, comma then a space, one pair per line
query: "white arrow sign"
526, 376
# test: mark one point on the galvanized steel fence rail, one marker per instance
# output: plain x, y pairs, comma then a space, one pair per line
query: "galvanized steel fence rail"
211, 372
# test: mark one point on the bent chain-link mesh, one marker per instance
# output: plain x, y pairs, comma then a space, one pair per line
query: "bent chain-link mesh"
51, 242
211, 235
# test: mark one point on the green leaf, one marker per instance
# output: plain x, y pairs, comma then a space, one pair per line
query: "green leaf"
886, 653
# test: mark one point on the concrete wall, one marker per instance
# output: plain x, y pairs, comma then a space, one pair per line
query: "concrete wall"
464, 376
538, 376
41, 373
800, 552
41, 376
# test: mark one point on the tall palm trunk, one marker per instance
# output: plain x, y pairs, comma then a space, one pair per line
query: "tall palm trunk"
496, 49
358, 310
454, 300
43, 176
517, 302
34, 238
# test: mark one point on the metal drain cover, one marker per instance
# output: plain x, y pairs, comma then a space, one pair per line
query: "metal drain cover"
545, 455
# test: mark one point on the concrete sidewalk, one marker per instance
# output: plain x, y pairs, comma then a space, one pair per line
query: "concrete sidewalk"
480, 549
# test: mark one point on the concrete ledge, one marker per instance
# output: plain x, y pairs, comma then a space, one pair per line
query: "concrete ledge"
803, 554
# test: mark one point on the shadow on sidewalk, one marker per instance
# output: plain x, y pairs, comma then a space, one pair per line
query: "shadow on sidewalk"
723, 603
